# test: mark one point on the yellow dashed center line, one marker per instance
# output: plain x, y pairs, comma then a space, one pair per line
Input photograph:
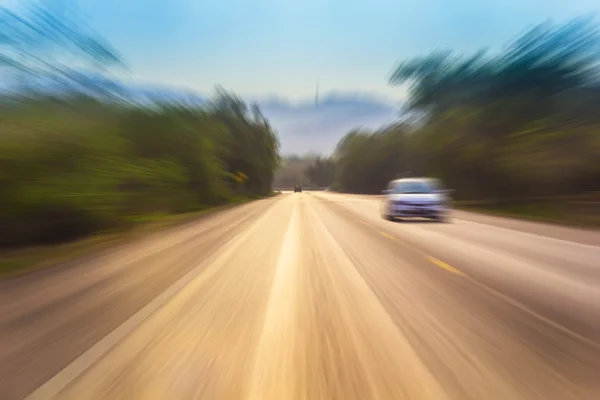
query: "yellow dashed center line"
387, 235
445, 266
433, 260
494, 292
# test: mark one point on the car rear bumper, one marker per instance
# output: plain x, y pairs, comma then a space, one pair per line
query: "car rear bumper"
418, 212
417, 215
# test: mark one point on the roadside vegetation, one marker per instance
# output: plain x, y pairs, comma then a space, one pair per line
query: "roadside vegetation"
80, 157
292, 171
305, 170
500, 129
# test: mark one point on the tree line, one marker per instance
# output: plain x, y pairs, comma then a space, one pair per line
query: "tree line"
294, 170
522, 122
85, 158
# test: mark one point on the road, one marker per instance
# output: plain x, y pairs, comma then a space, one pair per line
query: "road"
313, 296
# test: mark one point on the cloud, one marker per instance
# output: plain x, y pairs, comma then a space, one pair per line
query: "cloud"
302, 126
305, 126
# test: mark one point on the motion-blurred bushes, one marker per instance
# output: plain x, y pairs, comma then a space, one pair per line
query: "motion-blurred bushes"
73, 166
519, 123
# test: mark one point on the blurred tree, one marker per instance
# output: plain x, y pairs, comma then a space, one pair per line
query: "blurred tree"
321, 171
517, 123
292, 171
47, 42
251, 146
366, 161
73, 162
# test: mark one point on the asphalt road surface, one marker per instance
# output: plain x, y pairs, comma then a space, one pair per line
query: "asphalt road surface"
313, 296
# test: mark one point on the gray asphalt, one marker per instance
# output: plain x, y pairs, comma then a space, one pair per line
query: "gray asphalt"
313, 296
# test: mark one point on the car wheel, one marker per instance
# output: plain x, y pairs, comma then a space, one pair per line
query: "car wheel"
384, 215
443, 219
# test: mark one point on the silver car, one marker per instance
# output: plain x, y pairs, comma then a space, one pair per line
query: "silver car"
416, 197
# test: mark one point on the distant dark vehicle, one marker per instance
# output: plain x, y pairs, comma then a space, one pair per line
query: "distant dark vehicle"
297, 189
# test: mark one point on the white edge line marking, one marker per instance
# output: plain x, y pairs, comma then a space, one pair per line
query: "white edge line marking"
527, 310
67, 375
535, 235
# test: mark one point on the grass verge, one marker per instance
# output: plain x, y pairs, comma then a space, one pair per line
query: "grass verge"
22, 261
540, 212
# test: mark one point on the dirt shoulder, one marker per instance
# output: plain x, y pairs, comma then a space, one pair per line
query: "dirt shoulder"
26, 260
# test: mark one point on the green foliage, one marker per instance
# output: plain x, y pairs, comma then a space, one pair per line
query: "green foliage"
72, 164
292, 171
321, 171
70, 169
519, 123
255, 148
366, 161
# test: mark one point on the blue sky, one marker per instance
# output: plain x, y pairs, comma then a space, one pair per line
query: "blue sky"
280, 47
276, 49
268, 47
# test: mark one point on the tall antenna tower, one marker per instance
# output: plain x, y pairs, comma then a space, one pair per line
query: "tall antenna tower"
317, 95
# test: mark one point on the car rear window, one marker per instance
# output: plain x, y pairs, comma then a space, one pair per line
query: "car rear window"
412, 187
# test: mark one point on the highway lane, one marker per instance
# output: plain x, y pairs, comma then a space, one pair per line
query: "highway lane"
50, 317
311, 296
554, 271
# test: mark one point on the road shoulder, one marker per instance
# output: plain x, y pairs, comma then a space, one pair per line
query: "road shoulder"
14, 264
